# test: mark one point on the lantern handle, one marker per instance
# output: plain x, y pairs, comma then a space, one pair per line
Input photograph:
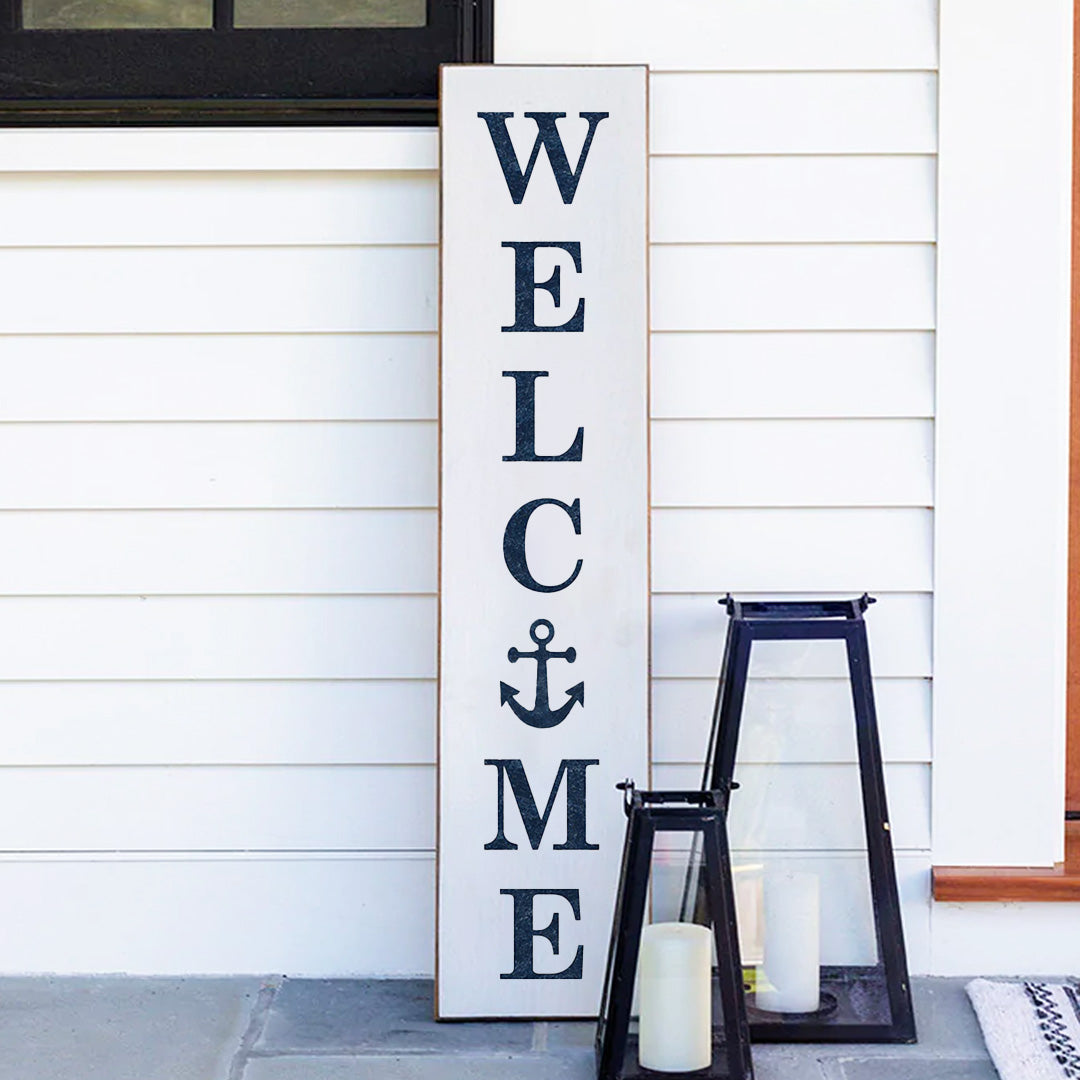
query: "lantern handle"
717, 796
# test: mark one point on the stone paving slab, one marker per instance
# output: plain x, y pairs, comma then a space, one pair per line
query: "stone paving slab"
371, 1015
348, 1030
121, 1028
801, 1064
909, 1069
327, 1029
423, 1067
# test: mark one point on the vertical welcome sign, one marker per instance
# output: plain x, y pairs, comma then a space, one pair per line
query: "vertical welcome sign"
544, 528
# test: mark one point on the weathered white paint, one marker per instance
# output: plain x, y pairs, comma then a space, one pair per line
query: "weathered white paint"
1002, 432
596, 381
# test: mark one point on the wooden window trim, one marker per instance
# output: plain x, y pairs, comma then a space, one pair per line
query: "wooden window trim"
1014, 883
1062, 881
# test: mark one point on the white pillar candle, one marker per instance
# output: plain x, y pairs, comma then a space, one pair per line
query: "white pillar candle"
675, 997
789, 979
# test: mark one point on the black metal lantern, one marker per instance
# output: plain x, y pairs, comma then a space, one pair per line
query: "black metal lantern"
692, 1016
818, 900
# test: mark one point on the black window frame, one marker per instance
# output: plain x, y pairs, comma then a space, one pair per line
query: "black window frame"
228, 76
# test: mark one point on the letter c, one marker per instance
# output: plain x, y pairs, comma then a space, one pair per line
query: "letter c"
514, 543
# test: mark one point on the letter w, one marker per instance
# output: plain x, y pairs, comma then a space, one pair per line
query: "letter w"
547, 136
535, 823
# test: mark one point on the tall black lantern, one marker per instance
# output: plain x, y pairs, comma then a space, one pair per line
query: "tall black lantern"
813, 873
692, 1016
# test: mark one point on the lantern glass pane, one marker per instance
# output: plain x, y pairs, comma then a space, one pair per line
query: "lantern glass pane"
674, 995
798, 837
665, 974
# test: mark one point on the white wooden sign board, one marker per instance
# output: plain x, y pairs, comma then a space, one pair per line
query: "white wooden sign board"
544, 628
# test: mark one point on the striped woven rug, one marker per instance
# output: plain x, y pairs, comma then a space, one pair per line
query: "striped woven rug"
1032, 1029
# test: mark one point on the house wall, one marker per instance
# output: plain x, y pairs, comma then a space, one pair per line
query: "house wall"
218, 590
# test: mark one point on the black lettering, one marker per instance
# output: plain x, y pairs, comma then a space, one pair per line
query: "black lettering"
526, 286
535, 823
547, 136
525, 429
514, 543
525, 934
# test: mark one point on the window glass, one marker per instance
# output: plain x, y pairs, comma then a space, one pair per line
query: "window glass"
314, 13
117, 14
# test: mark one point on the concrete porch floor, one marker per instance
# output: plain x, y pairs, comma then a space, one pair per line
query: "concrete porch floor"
116, 1028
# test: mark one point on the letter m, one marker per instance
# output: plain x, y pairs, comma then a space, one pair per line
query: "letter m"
535, 823
547, 136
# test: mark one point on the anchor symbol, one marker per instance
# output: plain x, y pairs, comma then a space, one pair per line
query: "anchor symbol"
541, 715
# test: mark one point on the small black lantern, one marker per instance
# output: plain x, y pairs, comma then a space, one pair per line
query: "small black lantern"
692, 1014
823, 917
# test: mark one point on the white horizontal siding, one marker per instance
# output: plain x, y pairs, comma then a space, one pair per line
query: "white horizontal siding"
214, 290
223, 552
218, 808
217, 210
777, 199
340, 915
219, 465
793, 113
770, 374
230, 637
824, 550
743, 463
737, 34
220, 150
154, 377
793, 287
208, 722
